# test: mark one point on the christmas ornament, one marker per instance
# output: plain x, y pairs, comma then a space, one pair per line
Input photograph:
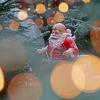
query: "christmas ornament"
2, 80
25, 86
51, 21
1, 28
12, 55
39, 22
61, 81
58, 17
40, 8
63, 7
14, 26
61, 44
70, 2
86, 1
86, 73
22, 15
95, 37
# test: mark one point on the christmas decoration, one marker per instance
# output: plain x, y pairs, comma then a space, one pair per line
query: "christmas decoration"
22, 15
86, 72
40, 8
14, 26
24, 86
61, 44
78, 18
63, 7
95, 37
2, 80
61, 81
58, 17
12, 55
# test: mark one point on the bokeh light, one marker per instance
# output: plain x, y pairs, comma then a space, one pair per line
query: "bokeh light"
95, 37
25, 86
40, 8
51, 21
58, 17
14, 26
85, 73
61, 81
63, 7
12, 55
2, 80
86, 1
22, 15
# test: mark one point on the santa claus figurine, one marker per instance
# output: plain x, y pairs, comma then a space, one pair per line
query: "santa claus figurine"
61, 44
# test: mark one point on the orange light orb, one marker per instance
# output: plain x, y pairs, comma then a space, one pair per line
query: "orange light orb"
14, 26
86, 1
51, 21
25, 86
61, 81
85, 73
95, 37
63, 7
59, 17
40, 8
2, 80
22, 15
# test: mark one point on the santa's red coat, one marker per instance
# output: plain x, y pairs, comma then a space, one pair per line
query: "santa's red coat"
57, 53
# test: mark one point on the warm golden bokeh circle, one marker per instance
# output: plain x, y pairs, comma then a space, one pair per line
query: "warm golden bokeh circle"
95, 37
86, 1
22, 15
25, 86
86, 73
63, 7
61, 81
14, 26
40, 8
2, 80
51, 21
59, 17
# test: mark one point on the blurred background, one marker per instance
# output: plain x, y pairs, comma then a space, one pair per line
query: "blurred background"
25, 26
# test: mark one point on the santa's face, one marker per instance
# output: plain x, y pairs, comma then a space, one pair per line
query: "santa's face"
57, 32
